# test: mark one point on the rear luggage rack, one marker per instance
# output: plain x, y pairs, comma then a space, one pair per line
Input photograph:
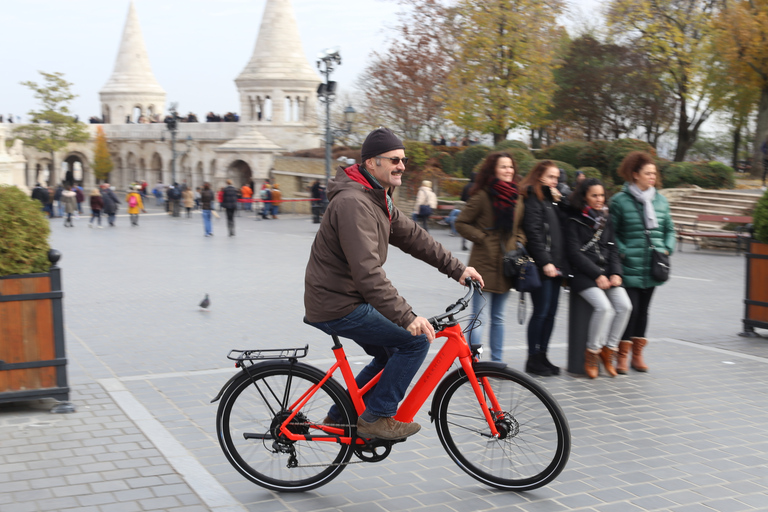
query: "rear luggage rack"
268, 353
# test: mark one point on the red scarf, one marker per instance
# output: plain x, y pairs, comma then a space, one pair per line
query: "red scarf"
504, 197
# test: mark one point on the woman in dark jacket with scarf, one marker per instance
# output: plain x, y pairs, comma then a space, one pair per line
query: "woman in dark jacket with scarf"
229, 203
637, 208
596, 274
487, 221
542, 223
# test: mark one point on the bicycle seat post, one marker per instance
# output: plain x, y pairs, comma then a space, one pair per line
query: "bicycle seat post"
336, 341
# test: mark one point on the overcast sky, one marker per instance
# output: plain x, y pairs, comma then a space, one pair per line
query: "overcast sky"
196, 47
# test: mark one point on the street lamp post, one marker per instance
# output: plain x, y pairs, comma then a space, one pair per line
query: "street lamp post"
326, 93
172, 123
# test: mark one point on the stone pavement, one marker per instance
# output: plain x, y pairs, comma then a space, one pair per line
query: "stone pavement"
144, 363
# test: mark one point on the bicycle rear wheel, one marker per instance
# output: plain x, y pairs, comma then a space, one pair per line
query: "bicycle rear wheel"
251, 410
534, 442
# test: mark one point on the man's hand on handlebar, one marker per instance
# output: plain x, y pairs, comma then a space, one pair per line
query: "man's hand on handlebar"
474, 274
422, 326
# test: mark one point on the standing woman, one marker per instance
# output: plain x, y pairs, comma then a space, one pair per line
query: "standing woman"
487, 221
542, 223
188, 199
596, 274
426, 203
634, 210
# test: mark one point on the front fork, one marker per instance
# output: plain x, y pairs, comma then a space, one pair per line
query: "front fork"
481, 393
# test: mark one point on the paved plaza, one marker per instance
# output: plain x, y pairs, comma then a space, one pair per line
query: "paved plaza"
144, 362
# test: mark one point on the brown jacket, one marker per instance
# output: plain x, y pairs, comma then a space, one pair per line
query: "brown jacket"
346, 264
476, 224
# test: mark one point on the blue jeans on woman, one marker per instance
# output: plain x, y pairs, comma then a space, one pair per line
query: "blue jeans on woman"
496, 302
542, 321
394, 350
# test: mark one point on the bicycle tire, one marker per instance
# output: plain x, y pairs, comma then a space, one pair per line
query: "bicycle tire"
535, 440
251, 405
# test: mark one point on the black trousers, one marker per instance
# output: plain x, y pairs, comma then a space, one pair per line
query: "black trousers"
638, 321
231, 220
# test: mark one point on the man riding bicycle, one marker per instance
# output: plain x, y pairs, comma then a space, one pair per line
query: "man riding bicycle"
347, 292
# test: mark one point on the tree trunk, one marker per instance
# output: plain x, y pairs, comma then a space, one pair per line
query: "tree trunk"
736, 144
498, 137
685, 138
53, 177
760, 134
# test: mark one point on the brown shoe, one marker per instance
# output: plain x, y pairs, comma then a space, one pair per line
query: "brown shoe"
386, 428
606, 354
328, 421
591, 367
622, 359
638, 344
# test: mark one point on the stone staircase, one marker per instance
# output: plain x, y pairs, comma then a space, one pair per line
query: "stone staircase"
686, 204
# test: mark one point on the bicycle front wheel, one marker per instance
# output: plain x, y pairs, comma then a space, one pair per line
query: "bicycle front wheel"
248, 420
534, 441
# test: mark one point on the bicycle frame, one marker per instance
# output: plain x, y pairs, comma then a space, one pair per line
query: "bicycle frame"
455, 347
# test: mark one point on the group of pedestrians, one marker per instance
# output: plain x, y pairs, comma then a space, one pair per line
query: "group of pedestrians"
602, 253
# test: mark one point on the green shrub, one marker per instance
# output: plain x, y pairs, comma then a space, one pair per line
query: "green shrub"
446, 162
712, 175
523, 158
417, 152
591, 172
620, 149
23, 234
594, 154
567, 151
760, 219
468, 159
510, 144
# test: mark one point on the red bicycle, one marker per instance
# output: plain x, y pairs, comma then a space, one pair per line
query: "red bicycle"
497, 424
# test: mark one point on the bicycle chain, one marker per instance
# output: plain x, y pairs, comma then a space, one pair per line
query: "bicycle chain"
339, 425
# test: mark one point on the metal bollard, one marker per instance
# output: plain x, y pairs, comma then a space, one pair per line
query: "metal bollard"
579, 314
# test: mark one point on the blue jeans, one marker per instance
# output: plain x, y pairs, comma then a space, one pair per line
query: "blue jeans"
497, 302
207, 222
452, 220
394, 350
542, 321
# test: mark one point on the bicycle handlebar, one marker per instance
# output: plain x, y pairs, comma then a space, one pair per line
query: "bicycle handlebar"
457, 307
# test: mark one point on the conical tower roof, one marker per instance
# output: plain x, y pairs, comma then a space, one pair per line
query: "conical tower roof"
133, 73
278, 54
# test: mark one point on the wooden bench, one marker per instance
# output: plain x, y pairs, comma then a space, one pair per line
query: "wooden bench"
741, 234
441, 212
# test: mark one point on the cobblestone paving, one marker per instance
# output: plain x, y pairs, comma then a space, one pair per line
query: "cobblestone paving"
688, 436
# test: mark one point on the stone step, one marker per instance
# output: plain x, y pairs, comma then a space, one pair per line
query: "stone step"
745, 203
713, 209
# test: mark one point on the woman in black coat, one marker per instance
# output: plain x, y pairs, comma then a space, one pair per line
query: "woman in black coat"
542, 223
596, 274
229, 202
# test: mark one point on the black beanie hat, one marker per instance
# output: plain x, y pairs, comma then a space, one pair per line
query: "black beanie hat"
380, 140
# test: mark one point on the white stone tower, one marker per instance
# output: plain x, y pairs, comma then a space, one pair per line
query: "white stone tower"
132, 84
278, 87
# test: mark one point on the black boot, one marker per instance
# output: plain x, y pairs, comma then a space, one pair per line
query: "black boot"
554, 369
535, 365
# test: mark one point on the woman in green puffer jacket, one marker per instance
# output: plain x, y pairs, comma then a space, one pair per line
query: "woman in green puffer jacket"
638, 206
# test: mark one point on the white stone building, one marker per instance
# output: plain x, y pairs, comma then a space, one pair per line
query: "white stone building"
277, 92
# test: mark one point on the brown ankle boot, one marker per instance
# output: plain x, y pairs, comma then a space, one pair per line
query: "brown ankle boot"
622, 357
638, 344
606, 354
591, 364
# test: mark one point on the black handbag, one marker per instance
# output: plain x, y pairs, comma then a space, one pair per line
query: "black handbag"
519, 266
425, 210
659, 262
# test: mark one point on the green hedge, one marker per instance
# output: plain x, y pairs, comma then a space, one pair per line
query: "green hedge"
510, 144
591, 172
621, 148
760, 218
567, 151
24, 234
712, 175
595, 154
468, 159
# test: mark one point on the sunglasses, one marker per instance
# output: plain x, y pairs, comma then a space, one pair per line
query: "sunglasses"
395, 159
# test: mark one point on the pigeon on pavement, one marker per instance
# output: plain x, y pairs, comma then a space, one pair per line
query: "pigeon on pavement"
205, 303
